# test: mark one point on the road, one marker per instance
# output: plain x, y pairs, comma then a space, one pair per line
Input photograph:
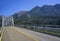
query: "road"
20, 34
40, 36
10, 34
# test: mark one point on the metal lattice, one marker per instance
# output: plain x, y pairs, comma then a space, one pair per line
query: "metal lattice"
7, 21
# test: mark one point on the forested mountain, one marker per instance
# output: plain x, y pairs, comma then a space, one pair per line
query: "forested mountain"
45, 10
45, 15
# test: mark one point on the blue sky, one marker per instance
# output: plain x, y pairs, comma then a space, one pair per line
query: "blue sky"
9, 7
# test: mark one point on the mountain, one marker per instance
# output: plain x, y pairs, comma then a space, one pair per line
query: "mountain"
49, 14
46, 10
18, 14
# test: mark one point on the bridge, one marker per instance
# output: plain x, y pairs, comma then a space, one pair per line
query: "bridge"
11, 33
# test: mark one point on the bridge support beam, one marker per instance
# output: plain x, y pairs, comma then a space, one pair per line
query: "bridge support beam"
7, 21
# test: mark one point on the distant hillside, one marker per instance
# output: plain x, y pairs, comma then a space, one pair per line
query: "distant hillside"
19, 14
47, 14
46, 10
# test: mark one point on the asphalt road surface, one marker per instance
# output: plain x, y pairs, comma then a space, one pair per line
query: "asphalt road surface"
40, 36
10, 34
20, 34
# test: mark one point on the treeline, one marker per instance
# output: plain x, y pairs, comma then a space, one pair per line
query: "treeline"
38, 21
0, 23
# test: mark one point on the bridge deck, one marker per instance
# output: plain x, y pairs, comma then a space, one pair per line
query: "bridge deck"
10, 34
20, 34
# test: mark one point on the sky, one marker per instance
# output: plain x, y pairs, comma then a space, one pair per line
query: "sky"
9, 7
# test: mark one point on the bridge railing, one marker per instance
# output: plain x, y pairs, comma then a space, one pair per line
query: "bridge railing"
49, 29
